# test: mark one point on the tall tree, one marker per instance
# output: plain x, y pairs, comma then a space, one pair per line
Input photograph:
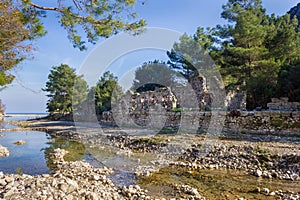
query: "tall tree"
190, 58
245, 59
289, 82
105, 90
63, 96
17, 29
233, 8
284, 39
20, 23
98, 18
152, 75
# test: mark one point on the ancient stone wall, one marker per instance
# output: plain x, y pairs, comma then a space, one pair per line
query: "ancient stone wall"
283, 103
280, 122
235, 100
160, 109
137, 108
140, 102
264, 122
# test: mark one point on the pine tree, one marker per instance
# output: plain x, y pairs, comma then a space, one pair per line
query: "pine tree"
60, 86
284, 41
106, 92
153, 75
244, 57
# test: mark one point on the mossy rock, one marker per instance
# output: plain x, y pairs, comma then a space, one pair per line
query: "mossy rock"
152, 140
296, 125
277, 122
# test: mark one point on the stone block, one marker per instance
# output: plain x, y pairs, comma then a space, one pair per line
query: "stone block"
245, 114
258, 114
284, 99
275, 100
272, 106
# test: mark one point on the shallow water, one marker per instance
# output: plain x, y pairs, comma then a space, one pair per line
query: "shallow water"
33, 157
213, 184
124, 165
29, 158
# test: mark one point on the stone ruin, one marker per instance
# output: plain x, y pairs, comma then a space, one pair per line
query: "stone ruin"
133, 103
137, 108
161, 108
168, 99
155, 109
138, 105
191, 96
283, 104
163, 97
235, 100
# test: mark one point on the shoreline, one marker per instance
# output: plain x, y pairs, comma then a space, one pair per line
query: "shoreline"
244, 154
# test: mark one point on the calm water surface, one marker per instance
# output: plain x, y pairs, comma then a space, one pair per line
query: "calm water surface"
28, 158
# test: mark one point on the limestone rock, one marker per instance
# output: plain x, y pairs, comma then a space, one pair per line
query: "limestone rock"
3, 152
258, 173
20, 142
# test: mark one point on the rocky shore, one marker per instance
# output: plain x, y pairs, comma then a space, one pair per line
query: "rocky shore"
267, 160
70, 181
79, 180
256, 160
73, 180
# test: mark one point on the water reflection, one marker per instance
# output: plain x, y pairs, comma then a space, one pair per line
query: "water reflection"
33, 157
27, 158
213, 184
76, 150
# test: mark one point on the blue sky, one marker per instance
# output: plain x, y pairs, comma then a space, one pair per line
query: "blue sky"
25, 94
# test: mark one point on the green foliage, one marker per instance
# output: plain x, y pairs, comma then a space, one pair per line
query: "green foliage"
260, 89
253, 47
260, 150
190, 59
180, 109
233, 8
152, 75
289, 82
277, 123
250, 51
152, 140
19, 171
106, 92
18, 24
60, 86
188, 55
98, 18
5, 78
245, 56
284, 39
79, 93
